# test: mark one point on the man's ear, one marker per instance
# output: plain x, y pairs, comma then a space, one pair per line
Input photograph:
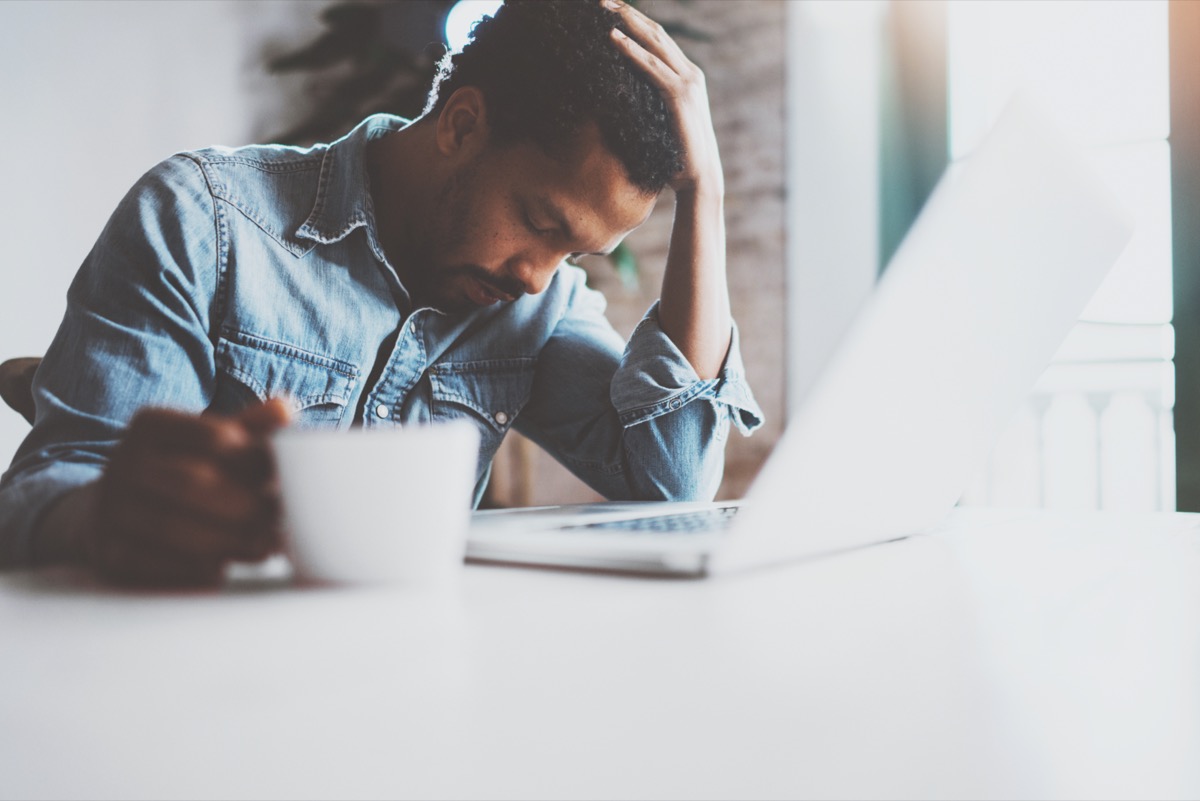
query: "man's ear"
462, 125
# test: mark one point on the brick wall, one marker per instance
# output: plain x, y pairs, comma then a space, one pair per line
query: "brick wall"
743, 61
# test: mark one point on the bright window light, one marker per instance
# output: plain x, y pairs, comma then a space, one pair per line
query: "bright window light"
462, 18
1097, 432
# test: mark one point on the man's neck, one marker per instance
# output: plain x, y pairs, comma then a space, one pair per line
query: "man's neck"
400, 185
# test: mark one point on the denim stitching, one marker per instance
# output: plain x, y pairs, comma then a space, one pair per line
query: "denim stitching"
262, 165
260, 389
438, 374
294, 248
484, 365
322, 190
256, 342
226, 194
641, 414
226, 360
222, 254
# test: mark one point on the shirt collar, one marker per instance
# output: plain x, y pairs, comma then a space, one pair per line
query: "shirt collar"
343, 200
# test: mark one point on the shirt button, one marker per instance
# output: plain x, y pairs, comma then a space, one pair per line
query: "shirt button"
381, 410
501, 417
675, 403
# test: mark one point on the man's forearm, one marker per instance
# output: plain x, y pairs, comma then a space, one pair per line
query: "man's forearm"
694, 308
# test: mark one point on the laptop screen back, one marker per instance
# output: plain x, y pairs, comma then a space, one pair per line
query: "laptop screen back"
990, 279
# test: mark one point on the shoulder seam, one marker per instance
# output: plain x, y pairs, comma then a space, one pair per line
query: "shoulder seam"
222, 251
284, 165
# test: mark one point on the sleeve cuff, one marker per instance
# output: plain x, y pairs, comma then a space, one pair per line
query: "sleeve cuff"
654, 379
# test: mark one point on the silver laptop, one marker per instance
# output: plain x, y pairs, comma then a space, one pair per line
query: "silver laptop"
993, 274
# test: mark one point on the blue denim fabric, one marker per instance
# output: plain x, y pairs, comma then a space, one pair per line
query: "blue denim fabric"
228, 276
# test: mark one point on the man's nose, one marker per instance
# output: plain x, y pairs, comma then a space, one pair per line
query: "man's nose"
534, 273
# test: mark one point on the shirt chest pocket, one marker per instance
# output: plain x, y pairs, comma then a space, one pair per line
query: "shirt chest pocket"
251, 369
488, 393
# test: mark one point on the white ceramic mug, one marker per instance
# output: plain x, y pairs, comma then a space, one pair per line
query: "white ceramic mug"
378, 507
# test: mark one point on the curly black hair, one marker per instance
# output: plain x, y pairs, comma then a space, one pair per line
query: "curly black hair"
547, 68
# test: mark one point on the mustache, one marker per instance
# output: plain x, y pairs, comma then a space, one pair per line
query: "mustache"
506, 284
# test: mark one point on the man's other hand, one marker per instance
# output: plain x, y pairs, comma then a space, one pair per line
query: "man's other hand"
184, 495
685, 92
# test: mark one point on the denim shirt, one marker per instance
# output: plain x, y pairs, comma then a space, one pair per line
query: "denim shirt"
229, 276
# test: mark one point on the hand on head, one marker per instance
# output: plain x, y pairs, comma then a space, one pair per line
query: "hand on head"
185, 494
684, 90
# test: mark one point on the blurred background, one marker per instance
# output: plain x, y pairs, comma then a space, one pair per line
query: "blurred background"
835, 117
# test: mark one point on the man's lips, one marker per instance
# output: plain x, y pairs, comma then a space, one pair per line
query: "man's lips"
484, 294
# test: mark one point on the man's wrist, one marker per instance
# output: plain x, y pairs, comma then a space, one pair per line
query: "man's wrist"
60, 535
704, 194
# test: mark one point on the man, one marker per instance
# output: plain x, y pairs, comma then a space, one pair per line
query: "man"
407, 273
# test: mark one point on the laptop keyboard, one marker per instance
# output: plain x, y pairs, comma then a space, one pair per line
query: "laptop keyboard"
686, 523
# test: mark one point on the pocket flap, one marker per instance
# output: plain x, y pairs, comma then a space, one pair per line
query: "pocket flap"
273, 369
496, 390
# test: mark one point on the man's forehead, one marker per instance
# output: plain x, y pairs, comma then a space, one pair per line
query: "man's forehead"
584, 150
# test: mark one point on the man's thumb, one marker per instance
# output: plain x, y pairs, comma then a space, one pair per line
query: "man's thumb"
266, 417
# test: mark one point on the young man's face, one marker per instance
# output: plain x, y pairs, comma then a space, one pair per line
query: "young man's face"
507, 218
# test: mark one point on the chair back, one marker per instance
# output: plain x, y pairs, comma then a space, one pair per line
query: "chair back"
16, 384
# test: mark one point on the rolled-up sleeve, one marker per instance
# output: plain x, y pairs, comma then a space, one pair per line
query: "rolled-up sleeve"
135, 333
633, 419
654, 379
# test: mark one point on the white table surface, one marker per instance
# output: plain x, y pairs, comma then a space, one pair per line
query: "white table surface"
1008, 655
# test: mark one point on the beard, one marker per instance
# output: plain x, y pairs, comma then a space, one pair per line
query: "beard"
438, 279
